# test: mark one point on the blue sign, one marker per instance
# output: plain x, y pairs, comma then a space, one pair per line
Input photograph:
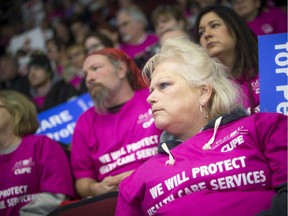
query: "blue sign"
58, 122
273, 73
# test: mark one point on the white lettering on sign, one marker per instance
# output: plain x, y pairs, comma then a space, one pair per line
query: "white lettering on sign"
54, 121
281, 60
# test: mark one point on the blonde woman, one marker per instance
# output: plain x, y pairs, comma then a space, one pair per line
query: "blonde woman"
35, 176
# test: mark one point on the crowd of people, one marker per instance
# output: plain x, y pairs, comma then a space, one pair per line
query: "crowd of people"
176, 122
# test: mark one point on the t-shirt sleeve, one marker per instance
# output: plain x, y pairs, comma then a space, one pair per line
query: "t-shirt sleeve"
272, 133
81, 161
54, 169
125, 207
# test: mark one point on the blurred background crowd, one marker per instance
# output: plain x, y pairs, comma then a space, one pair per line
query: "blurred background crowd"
44, 46
57, 35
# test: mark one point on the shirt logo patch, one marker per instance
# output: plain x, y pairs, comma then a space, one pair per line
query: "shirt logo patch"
232, 140
23, 166
146, 119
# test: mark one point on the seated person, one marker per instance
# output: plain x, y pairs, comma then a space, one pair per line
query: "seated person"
133, 29
168, 17
35, 174
74, 74
261, 18
227, 37
96, 41
10, 77
46, 92
217, 154
165, 18
118, 134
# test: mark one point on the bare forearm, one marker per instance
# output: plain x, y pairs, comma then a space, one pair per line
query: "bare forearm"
89, 187
83, 187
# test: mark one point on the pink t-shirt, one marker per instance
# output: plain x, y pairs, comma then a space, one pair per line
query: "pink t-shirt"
38, 165
39, 101
76, 81
107, 145
136, 49
270, 21
255, 93
236, 177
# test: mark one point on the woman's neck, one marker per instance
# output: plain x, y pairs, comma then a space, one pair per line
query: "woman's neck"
8, 141
228, 60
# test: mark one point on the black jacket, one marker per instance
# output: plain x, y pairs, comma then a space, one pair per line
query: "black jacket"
60, 92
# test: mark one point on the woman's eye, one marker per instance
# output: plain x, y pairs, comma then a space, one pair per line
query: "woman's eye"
163, 85
95, 68
200, 33
214, 25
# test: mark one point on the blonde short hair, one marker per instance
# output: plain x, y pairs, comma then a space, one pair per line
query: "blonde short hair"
198, 68
22, 110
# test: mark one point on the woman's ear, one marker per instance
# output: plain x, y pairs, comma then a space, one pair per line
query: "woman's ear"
122, 69
205, 93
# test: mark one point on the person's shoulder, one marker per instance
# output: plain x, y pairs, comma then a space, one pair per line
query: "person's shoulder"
268, 117
143, 91
63, 84
273, 12
273, 9
269, 114
123, 46
88, 114
152, 37
39, 140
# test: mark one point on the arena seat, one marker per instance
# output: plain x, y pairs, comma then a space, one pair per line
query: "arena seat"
100, 205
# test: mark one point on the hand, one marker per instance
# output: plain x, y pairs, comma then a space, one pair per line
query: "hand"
98, 188
108, 184
115, 180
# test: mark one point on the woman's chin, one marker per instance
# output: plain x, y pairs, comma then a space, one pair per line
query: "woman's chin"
161, 124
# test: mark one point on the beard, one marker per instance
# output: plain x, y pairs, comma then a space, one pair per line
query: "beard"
99, 94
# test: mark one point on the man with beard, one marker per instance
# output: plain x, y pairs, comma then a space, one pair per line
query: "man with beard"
47, 92
118, 134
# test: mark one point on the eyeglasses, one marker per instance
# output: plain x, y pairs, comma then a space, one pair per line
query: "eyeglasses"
124, 24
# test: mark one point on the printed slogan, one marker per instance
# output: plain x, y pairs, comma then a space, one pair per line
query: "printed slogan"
221, 183
130, 153
9, 195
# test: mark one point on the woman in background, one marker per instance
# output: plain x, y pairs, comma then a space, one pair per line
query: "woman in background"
227, 37
35, 175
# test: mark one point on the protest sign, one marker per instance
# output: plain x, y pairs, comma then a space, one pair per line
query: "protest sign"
273, 73
58, 122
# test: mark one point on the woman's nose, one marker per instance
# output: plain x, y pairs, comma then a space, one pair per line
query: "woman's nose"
207, 34
151, 98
